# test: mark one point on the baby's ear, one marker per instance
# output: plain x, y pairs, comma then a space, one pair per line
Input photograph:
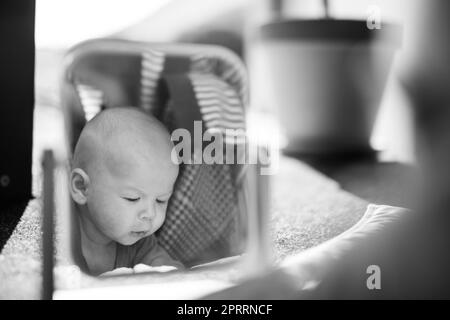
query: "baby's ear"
79, 183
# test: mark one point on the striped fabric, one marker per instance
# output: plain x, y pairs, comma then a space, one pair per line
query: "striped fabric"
91, 100
232, 83
206, 214
226, 67
151, 68
220, 106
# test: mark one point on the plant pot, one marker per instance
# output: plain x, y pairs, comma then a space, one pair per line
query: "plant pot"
326, 79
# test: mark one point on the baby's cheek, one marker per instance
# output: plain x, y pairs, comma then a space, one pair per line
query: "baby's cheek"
113, 217
161, 217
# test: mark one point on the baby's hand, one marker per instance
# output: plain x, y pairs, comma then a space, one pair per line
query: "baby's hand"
140, 268
118, 271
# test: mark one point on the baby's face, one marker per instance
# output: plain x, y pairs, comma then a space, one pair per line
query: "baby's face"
128, 201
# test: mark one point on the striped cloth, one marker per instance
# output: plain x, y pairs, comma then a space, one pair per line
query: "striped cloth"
205, 217
91, 99
151, 68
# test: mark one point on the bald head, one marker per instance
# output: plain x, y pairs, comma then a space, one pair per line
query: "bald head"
122, 176
117, 137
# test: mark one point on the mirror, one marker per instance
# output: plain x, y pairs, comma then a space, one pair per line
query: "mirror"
158, 177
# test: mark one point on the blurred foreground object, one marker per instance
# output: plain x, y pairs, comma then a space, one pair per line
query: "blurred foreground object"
17, 92
408, 249
326, 78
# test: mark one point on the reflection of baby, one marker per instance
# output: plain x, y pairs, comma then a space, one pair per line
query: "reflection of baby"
121, 180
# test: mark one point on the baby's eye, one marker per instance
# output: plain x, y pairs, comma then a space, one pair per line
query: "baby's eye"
159, 201
131, 199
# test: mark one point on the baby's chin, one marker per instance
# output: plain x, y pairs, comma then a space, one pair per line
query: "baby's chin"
133, 237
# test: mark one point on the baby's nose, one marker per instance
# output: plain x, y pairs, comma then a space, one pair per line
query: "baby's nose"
148, 213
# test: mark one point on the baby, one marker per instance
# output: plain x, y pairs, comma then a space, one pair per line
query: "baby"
121, 180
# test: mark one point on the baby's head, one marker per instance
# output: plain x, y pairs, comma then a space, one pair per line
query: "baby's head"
122, 175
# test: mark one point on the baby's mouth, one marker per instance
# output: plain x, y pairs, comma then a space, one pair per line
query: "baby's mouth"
139, 234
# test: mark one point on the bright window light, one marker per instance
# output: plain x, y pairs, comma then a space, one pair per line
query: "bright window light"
65, 23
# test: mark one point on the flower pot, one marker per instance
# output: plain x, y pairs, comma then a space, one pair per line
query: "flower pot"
326, 79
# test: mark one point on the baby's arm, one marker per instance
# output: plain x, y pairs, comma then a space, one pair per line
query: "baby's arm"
151, 254
139, 268
155, 260
118, 272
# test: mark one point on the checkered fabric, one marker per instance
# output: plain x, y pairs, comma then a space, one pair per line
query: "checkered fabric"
206, 211
201, 215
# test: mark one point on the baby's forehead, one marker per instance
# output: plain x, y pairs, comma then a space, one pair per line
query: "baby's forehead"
143, 153
122, 158
126, 121
124, 138
138, 171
